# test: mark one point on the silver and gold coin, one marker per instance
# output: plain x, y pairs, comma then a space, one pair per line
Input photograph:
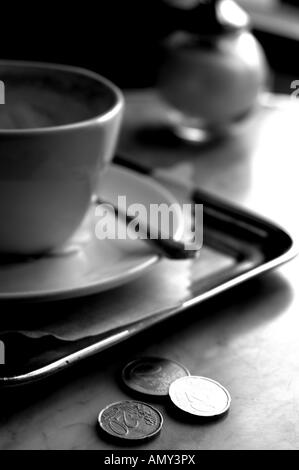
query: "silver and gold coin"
152, 375
130, 420
199, 396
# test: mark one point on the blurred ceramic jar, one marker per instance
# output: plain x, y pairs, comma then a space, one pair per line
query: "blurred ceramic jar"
214, 69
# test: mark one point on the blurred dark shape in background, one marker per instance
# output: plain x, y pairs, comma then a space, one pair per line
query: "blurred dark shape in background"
291, 2
119, 39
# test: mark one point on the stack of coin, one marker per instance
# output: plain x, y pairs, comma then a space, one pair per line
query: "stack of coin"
153, 376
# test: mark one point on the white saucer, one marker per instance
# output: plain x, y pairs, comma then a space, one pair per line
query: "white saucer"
88, 265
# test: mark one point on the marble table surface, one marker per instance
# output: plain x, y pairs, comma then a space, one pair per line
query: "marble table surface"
247, 338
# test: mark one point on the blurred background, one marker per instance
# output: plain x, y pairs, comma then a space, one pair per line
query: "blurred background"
122, 39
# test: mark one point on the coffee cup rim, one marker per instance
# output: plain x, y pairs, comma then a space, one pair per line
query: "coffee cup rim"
97, 119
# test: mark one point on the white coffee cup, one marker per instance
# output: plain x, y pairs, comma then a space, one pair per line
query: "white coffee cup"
58, 131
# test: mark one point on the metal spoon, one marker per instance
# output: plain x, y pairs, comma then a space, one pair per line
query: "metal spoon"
170, 248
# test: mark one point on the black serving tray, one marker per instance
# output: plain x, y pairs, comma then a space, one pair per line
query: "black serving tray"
250, 246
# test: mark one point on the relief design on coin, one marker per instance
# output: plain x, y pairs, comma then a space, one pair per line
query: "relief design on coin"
200, 396
131, 420
152, 375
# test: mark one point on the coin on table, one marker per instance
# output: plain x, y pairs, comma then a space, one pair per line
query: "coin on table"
152, 375
199, 396
130, 420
